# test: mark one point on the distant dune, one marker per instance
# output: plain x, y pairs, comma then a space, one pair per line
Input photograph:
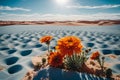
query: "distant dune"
69, 23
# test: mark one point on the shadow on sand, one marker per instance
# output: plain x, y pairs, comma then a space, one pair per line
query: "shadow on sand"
59, 74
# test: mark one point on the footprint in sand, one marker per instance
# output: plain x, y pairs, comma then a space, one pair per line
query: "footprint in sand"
11, 60
15, 69
26, 52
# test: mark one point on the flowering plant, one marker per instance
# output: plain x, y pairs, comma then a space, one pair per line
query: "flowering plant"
69, 45
70, 54
55, 59
46, 39
96, 56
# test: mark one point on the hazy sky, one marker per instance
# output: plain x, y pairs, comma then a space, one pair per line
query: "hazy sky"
59, 9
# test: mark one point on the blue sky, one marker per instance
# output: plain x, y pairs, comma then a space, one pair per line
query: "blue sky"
59, 9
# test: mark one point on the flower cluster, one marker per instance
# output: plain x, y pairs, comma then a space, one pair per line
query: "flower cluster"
69, 53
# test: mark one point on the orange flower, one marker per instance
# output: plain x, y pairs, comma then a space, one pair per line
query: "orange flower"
55, 59
95, 55
69, 45
46, 39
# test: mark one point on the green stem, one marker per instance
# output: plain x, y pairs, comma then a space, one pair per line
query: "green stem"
48, 48
99, 61
101, 64
48, 43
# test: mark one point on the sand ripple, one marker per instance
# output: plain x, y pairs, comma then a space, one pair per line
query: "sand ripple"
16, 49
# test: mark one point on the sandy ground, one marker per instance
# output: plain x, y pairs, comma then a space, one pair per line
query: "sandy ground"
1, 67
92, 65
19, 44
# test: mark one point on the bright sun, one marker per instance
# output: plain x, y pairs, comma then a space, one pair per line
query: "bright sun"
62, 2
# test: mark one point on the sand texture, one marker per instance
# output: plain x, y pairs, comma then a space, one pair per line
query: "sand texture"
18, 44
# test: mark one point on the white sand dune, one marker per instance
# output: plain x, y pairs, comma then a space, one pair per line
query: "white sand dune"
19, 43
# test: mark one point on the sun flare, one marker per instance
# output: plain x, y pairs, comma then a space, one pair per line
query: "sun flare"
62, 1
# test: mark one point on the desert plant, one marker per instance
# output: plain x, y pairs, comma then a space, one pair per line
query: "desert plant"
76, 61
100, 60
73, 62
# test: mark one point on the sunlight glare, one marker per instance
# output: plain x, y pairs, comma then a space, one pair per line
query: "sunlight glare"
62, 2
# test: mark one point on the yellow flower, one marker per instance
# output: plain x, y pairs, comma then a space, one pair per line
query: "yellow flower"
55, 59
46, 39
95, 55
69, 45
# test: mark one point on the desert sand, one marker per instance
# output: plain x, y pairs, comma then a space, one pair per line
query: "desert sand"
92, 66
19, 44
